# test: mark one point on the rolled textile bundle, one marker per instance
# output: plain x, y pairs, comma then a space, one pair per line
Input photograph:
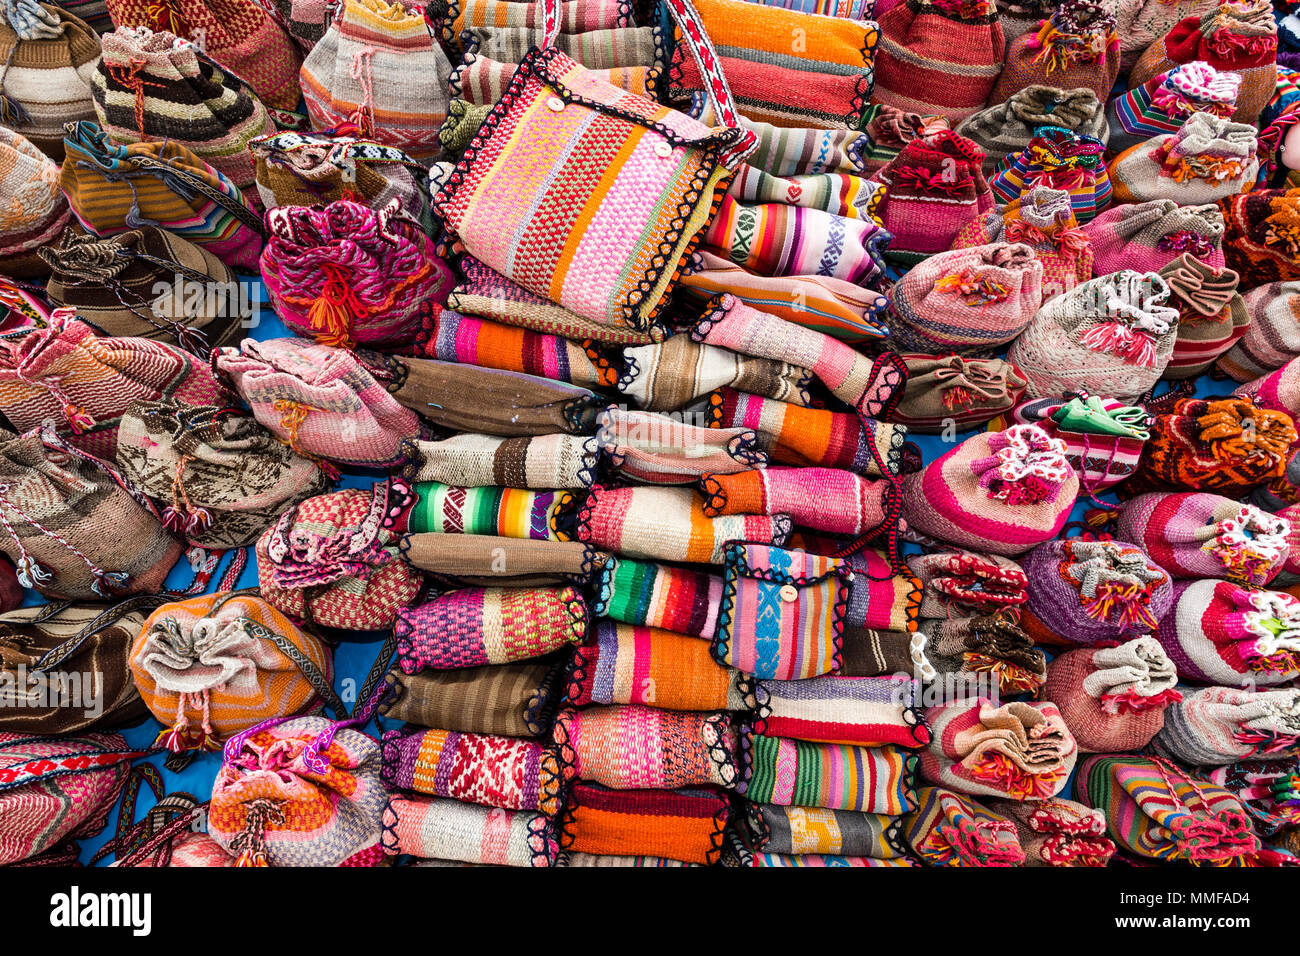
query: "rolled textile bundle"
510, 700
1223, 633
799, 831
525, 461
684, 825
948, 829
1058, 832
659, 595
969, 653
1222, 725
862, 711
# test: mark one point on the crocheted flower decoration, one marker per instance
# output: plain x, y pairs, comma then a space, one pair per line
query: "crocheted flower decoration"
1274, 621
1115, 583
1026, 467
1250, 542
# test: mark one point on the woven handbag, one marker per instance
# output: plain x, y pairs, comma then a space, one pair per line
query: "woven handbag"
622, 191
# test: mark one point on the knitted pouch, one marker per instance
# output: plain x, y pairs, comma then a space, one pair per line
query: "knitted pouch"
1002, 492
824, 80
224, 478
158, 86
939, 56
1058, 832
477, 626
960, 584
1237, 37
1221, 725
482, 560
848, 195
1141, 23
477, 461
598, 50
1093, 592
1212, 315
834, 776
667, 376
685, 825
1221, 632
506, 512
798, 151
514, 700
658, 450
42, 643
825, 499
1017, 750
1008, 125
1156, 811
632, 747
1166, 101
377, 64
627, 664
213, 666
324, 402
1198, 535
36, 210
50, 58
839, 834
1113, 334
659, 596
1272, 336
871, 652
66, 514
967, 300
114, 187
1148, 236
490, 771
482, 81
1261, 239
1113, 699
952, 390
1208, 445
346, 275
948, 829
333, 559
668, 524
1062, 159
66, 376
1076, 47
302, 792
862, 711
1276, 391
973, 651
435, 828
887, 130
56, 788
782, 613
878, 596
1207, 159
452, 17
150, 283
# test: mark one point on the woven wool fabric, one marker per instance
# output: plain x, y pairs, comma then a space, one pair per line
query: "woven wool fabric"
507, 512
94, 12
212, 666
1221, 725
872, 652
158, 86
801, 151
782, 613
820, 302
800, 831
953, 389
471, 460
1212, 315
939, 56
37, 210
878, 597
1223, 633
322, 401
1166, 101
834, 776
684, 825
967, 300
1272, 336
57, 788
346, 275
1062, 159
862, 711
1267, 788
1156, 811
220, 478
1018, 750
441, 829
1007, 126
512, 700
668, 524
888, 129
305, 20
126, 285
1058, 832
453, 17
1114, 699
488, 770
334, 560
794, 435
659, 596
1240, 37
1208, 159
846, 194
825, 499
948, 829
971, 651
82, 383
630, 664
482, 560
1275, 391
1202, 535
670, 375
1148, 236
1262, 236
377, 63
269, 804
114, 187
1093, 592
659, 450
477, 626
962, 583
1003, 492
824, 81
482, 81
1075, 47
595, 49
48, 73
1112, 335
1140, 23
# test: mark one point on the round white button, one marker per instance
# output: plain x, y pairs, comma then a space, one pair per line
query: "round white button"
664, 148
788, 593
555, 103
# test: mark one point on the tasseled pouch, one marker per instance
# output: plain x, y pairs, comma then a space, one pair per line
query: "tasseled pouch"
949, 390
1075, 47
1212, 315
1148, 236
1061, 159
962, 583
985, 654
1058, 832
1219, 632
948, 829
1006, 126
1261, 241
1163, 103
1221, 725
1209, 158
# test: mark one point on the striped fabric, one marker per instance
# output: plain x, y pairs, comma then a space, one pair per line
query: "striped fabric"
1058, 157
824, 499
948, 829
595, 49
798, 151
848, 9
801, 831
670, 375
684, 825
660, 596
659, 450
539, 462
879, 598
834, 776
576, 16
819, 860
839, 193
508, 512
511, 700
436, 828
481, 80
862, 711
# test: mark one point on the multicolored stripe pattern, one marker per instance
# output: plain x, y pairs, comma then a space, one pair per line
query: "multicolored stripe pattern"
835, 776
505, 512
660, 596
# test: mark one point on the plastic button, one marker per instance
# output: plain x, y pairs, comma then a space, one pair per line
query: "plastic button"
788, 593
664, 148
555, 103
